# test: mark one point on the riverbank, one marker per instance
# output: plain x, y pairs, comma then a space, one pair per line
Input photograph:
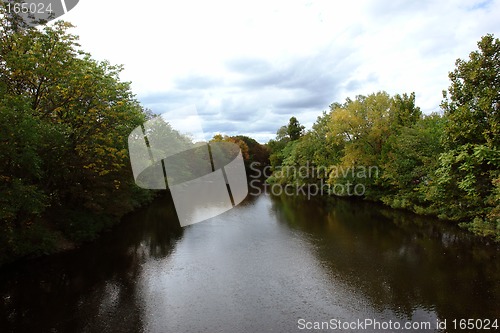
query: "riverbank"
63, 229
322, 192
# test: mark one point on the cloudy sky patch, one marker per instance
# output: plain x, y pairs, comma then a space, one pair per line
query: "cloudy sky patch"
249, 66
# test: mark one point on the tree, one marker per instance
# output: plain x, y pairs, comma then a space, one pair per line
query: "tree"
276, 147
472, 107
327, 151
65, 119
257, 152
469, 170
21, 164
362, 126
405, 113
410, 159
242, 144
285, 136
294, 129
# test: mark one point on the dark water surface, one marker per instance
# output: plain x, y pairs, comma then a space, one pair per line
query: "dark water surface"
260, 267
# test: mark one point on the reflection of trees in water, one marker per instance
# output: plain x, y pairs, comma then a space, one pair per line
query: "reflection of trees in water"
398, 260
160, 229
93, 288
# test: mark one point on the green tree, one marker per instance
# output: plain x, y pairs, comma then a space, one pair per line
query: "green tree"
22, 139
362, 127
313, 153
469, 169
327, 150
472, 104
276, 147
294, 129
405, 113
65, 120
410, 158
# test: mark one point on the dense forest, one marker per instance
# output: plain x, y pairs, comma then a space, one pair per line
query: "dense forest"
65, 173
445, 164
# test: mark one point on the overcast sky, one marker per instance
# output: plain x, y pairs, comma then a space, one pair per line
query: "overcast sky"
248, 66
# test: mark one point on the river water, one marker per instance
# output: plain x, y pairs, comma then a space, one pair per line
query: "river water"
272, 264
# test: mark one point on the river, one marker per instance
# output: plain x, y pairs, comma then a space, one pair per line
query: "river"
272, 264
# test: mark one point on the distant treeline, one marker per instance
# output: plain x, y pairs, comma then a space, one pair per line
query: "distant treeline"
445, 164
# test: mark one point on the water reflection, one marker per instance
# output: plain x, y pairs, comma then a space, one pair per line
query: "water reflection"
91, 288
400, 261
260, 266
245, 271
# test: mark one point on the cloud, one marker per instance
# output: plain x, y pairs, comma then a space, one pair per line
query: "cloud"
194, 82
248, 65
356, 84
251, 67
260, 95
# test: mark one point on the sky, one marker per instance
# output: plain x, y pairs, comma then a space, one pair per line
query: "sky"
248, 66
